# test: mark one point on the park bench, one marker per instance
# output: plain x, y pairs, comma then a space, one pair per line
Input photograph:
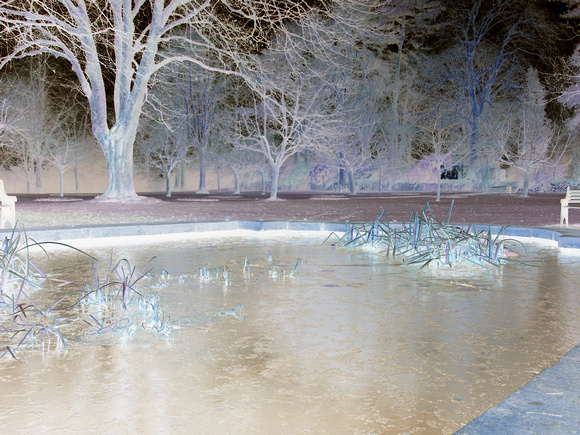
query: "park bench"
572, 197
7, 209
507, 187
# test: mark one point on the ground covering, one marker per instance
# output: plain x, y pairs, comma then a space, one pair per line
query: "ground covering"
536, 210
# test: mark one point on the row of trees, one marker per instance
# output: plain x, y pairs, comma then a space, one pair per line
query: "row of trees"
235, 84
43, 125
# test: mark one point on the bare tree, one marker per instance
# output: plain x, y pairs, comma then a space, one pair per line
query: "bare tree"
260, 164
225, 155
12, 112
292, 87
192, 94
84, 147
354, 139
442, 143
524, 138
38, 119
571, 95
481, 66
117, 42
242, 161
68, 141
286, 106
413, 23
163, 146
354, 142
65, 130
201, 93
60, 154
40, 122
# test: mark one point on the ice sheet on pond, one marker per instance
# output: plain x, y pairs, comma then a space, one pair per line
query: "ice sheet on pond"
351, 341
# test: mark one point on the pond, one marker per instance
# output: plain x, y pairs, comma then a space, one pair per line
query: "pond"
351, 342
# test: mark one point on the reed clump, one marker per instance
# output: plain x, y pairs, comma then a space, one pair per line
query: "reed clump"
115, 302
423, 240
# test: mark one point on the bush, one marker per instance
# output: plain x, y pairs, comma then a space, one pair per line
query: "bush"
553, 187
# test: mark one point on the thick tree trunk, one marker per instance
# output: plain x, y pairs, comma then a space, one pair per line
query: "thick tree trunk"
274, 186
118, 149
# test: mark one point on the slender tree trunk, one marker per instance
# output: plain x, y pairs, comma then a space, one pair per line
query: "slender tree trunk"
381, 179
76, 174
263, 181
217, 172
236, 182
473, 138
526, 185
485, 175
168, 183
182, 172
397, 83
341, 180
27, 171
351, 184
438, 186
38, 172
61, 176
202, 171
176, 177
147, 171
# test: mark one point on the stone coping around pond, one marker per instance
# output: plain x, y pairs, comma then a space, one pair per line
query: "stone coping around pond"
81, 232
549, 403
563, 237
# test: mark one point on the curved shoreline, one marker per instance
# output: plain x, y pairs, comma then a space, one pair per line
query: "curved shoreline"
562, 237
549, 403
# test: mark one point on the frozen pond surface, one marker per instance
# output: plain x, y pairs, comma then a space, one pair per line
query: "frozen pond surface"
352, 343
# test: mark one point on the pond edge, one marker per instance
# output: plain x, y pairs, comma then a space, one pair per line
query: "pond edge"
562, 237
